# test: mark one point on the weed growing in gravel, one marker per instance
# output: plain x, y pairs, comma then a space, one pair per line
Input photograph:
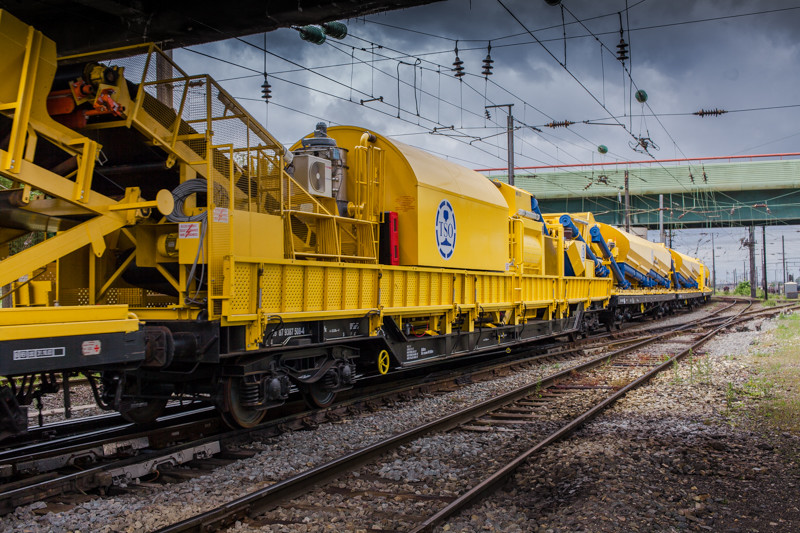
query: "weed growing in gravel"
704, 369
730, 396
699, 369
676, 377
759, 387
618, 383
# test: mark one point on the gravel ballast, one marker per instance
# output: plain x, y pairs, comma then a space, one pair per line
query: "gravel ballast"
670, 456
636, 468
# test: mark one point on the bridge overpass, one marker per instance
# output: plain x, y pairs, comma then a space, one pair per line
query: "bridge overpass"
704, 192
90, 25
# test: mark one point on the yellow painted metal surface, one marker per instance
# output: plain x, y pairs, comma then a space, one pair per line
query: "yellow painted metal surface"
269, 250
296, 290
689, 267
637, 252
587, 289
258, 235
416, 184
576, 253
40, 322
584, 222
515, 197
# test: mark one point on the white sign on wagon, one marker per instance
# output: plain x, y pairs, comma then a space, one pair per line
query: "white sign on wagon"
221, 215
188, 230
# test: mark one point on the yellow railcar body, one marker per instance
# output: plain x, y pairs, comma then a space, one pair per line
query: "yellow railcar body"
201, 250
414, 184
258, 266
641, 254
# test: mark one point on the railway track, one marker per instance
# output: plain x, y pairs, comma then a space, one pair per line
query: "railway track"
119, 461
110, 458
355, 472
120, 454
51, 435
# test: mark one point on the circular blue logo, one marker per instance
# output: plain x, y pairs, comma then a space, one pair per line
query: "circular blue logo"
445, 229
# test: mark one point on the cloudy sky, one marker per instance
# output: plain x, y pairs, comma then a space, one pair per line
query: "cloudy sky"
735, 55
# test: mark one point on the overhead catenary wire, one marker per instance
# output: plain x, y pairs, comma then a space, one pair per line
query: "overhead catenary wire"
691, 113
543, 40
437, 97
584, 36
563, 66
629, 29
351, 53
500, 87
311, 70
453, 39
639, 140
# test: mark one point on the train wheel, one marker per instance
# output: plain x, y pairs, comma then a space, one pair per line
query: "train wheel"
142, 412
316, 397
234, 414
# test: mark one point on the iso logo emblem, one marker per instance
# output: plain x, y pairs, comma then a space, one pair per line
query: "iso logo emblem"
445, 229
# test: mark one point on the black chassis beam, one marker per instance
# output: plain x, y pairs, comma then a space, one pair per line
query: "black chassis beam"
257, 362
28, 356
279, 334
633, 299
692, 295
349, 339
410, 351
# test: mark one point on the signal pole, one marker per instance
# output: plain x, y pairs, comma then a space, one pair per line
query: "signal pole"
783, 249
764, 258
627, 205
752, 247
713, 266
510, 141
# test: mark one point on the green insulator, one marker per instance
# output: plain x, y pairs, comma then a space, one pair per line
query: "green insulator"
337, 30
640, 96
603, 149
312, 34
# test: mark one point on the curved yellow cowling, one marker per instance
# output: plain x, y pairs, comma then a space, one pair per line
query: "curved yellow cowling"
637, 252
415, 184
689, 267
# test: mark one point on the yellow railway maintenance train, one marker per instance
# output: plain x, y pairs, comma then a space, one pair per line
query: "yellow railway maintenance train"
156, 238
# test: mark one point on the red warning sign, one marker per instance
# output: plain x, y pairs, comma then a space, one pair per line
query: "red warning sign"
220, 215
188, 230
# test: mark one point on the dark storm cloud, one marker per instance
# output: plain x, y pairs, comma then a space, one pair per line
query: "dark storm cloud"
735, 63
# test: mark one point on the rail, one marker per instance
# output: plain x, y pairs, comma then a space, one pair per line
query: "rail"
260, 501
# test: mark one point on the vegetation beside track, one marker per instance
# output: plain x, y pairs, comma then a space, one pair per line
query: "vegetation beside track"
776, 384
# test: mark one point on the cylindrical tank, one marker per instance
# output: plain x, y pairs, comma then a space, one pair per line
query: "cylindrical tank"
639, 253
448, 215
